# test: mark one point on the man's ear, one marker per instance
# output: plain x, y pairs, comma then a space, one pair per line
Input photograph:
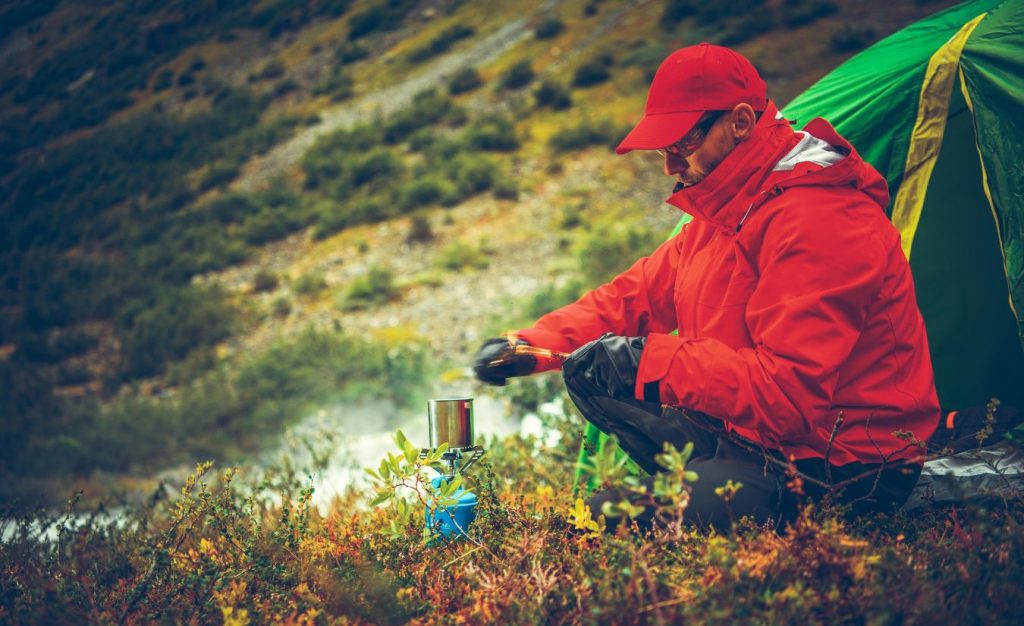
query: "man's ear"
742, 121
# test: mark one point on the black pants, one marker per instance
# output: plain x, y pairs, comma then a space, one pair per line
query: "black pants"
643, 427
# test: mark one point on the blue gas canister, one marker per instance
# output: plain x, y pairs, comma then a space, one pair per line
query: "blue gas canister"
452, 522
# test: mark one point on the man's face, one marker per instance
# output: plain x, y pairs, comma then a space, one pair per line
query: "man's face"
729, 129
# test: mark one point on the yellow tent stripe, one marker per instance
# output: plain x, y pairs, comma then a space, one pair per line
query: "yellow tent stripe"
988, 192
926, 138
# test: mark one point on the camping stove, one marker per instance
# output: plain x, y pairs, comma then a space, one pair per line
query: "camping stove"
450, 421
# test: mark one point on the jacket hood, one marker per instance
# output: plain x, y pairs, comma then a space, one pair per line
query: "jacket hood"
749, 176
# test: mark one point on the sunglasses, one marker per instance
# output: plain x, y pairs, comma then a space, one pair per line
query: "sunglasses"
693, 139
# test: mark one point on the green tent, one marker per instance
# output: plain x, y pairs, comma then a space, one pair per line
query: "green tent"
938, 109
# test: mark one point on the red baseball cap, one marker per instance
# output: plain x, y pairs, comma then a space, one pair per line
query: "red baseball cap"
688, 83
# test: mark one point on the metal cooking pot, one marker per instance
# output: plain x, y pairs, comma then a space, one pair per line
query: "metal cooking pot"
450, 420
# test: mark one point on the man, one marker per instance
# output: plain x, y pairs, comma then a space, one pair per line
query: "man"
799, 339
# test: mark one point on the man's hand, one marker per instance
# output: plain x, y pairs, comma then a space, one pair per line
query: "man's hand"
497, 361
608, 366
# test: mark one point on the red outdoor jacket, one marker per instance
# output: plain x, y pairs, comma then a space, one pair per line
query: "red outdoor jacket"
793, 301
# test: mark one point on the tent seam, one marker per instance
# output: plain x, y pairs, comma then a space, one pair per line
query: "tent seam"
988, 192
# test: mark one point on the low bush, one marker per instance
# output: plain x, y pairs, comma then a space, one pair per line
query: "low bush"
460, 256
281, 307
517, 76
675, 11
851, 38
264, 280
505, 188
647, 56
425, 191
334, 217
271, 70
244, 546
549, 28
441, 43
586, 133
552, 95
494, 132
746, 28
179, 321
382, 16
219, 174
337, 86
71, 374
593, 72
551, 297
419, 230
428, 108
802, 12
349, 52
464, 80
609, 249
309, 284
374, 288
74, 343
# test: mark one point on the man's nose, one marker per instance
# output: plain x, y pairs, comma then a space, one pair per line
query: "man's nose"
675, 164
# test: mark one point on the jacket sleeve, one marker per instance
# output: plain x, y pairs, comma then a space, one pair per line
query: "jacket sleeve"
636, 302
820, 268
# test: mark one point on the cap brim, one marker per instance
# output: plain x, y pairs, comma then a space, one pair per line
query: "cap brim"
659, 130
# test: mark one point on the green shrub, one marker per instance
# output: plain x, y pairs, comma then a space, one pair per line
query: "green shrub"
72, 374
553, 95
164, 81
801, 12
519, 75
747, 27
333, 217
182, 319
373, 165
425, 191
264, 280
552, 297
464, 80
647, 56
338, 86
851, 38
419, 230
505, 188
586, 133
428, 107
422, 140
309, 284
380, 17
219, 174
350, 52
675, 11
495, 132
593, 72
282, 307
374, 288
473, 174
441, 43
459, 256
549, 28
279, 216
714, 12
611, 249
17, 14
74, 343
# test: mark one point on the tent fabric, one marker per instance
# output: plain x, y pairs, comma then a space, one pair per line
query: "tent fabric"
938, 109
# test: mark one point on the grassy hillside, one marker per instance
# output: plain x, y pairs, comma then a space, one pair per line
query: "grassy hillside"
189, 184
